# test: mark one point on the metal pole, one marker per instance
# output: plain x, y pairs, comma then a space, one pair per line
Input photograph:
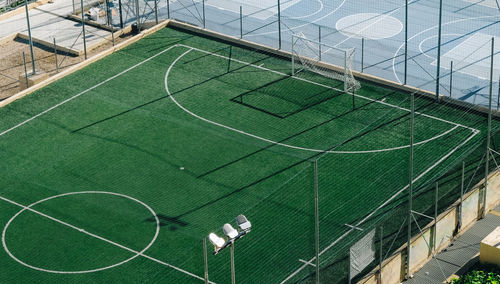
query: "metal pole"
279, 25
436, 196
121, 16
451, 77
233, 276
113, 36
156, 12
488, 134
349, 269
83, 30
461, 196
410, 186
241, 22
74, 10
293, 55
498, 96
362, 54
319, 40
205, 259
55, 55
25, 71
107, 12
381, 256
406, 41
204, 22
345, 71
439, 49
168, 9
137, 13
29, 35
316, 219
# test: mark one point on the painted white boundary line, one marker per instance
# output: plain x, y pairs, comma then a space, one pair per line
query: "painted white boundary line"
381, 206
93, 235
85, 91
325, 86
275, 142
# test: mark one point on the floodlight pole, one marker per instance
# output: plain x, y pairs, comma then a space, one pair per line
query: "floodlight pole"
83, 30
488, 134
410, 185
156, 12
168, 9
439, 48
233, 276
204, 21
279, 24
406, 41
137, 13
316, 217
29, 35
205, 259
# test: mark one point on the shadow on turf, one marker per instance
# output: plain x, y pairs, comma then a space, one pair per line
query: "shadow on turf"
173, 222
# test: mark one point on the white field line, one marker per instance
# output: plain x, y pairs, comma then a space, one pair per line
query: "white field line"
381, 206
98, 237
279, 143
325, 86
83, 92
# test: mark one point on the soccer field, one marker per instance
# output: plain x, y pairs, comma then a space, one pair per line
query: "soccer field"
117, 172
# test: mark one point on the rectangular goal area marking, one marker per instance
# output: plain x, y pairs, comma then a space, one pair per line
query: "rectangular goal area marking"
472, 57
258, 9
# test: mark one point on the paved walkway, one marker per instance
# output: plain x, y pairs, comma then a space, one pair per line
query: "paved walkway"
48, 22
459, 253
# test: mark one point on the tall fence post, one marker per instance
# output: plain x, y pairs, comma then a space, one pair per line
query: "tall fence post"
461, 196
83, 30
319, 40
25, 70
241, 22
316, 218
233, 272
451, 78
488, 134
121, 14
156, 12
436, 197
439, 48
279, 24
381, 255
107, 12
55, 55
204, 19
137, 15
168, 9
406, 41
29, 35
410, 185
362, 54
498, 95
205, 260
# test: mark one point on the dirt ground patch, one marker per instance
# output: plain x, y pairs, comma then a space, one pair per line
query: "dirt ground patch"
11, 61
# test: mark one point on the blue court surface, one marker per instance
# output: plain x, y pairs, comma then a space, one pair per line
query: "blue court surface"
376, 29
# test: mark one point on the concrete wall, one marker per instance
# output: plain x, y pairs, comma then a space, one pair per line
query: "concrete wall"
394, 269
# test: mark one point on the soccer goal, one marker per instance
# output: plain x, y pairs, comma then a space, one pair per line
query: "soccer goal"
326, 60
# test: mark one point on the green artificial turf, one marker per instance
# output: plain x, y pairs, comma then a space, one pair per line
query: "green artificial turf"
234, 134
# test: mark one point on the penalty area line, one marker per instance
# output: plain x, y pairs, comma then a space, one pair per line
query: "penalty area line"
99, 237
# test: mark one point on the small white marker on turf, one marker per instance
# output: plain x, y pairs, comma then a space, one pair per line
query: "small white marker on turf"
181, 168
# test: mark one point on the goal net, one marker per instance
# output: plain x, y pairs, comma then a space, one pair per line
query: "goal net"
328, 61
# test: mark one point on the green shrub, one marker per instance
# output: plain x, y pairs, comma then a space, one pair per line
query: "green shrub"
480, 275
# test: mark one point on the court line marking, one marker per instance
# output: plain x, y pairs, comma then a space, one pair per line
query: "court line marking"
420, 48
141, 253
425, 31
321, 6
380, 207
303, 25
279, 143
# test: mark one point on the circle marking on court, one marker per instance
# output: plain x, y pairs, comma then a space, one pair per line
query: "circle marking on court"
81, 230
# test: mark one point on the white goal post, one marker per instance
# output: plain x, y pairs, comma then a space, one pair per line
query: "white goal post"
326, 60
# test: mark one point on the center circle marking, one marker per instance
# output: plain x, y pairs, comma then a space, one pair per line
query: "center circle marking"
80, 271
